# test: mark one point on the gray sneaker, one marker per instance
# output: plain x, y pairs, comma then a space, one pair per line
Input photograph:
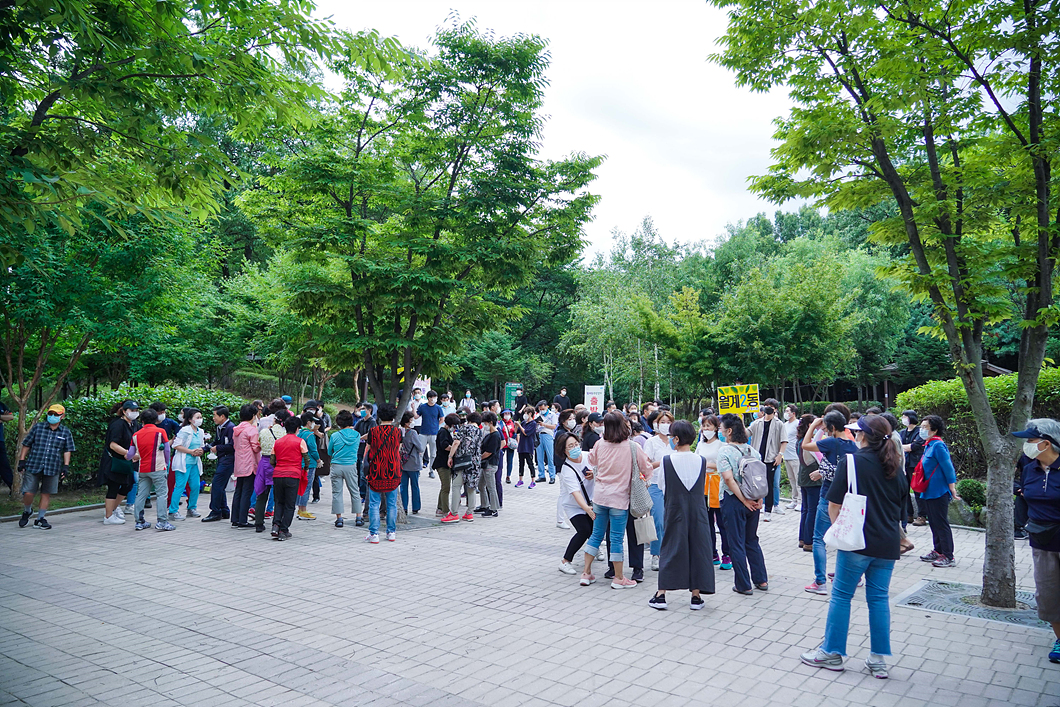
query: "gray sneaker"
176, 516
876, 669
192, 513
164, 525
817, 658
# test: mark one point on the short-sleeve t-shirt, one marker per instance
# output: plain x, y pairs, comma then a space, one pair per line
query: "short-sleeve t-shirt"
492, 443
883, 506
833, 448
431, 417
121, 432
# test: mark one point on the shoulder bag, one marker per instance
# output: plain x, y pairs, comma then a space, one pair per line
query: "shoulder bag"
848, 531
639, 499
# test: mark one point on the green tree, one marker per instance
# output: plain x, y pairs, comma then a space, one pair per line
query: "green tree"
885, 112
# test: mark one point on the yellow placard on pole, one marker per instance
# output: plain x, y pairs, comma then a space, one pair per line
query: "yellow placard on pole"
738, 399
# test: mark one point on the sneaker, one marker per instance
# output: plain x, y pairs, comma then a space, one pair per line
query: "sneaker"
280, 537
177, 516
624, 583
286, 535
944, 562
316, 500
540, 479
251, 511
490, 514
587, 579
920, 522
562, 525
23, 520
129, 508
532, 485
148, 503
726, 562
430, 474
275, 531
113, 519
374, 539
638, 575
480, 509
507, 479
338, 522
551, 481
658, 602
259, 528
359, 522
451, 518
469, 517
567, 568
391, 537
610, 573
119, 512
439, 513
142, 525
42, 523
766, 516
793, 506
817, 658
306, 515
519, 483
192, 513
601, 554
877, 669
716, 560
655, 563
268, 514
1020, 534
930, 557
696, 604
815, 588
164, 525
1054, 654
861, 580
778, 510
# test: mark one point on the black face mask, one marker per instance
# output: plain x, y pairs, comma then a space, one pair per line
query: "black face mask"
768, 410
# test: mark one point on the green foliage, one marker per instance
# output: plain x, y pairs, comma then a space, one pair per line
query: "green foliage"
88, 418
973, 492
948, 400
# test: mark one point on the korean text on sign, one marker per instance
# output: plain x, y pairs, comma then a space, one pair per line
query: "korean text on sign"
738, 399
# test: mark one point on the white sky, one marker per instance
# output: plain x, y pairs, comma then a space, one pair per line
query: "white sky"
631, 81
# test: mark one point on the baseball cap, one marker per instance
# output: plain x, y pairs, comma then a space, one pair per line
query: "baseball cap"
286, 398
57, 409
312, 404
130, 405
1032, 432
595, 417
861, 424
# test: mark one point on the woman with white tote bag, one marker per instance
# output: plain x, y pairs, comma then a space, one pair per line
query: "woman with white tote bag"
865, 506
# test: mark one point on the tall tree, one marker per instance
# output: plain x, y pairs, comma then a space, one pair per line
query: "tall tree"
885, 111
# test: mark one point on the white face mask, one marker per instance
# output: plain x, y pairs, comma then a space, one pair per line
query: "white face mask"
598, 429
790, 415
196, 421
161, 416
709, 434
1031, 449
507, 417
569, 424
905, 422
663, 428
133, 414
526, 416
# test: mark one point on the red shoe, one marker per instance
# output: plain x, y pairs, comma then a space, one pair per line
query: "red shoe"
468, 517
250, 512
268, 514
451, 518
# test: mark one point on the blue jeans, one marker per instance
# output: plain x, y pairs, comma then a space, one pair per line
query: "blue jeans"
545, 452
849, 567
410, 478
741, 530
618, 518
268, 505
304, 498
811, 496
820, 527
375, 498
776, 484
658, 511
509, 455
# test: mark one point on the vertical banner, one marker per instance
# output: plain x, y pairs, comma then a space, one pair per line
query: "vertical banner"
594, 398
509, 395
424, 384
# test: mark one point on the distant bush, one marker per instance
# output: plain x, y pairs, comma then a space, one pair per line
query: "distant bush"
973, 492
255, 385
948, 400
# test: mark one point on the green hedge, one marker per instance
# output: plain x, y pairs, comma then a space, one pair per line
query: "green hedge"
948, 400
88, 418
817, 408
255, 385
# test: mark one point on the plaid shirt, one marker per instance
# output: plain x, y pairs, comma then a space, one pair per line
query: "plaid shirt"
46, 448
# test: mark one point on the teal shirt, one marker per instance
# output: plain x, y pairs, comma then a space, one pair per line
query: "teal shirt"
311, 442
343, 446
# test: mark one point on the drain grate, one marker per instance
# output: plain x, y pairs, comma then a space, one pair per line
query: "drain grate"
963, 600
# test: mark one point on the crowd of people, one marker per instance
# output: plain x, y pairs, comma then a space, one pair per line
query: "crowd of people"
630, 479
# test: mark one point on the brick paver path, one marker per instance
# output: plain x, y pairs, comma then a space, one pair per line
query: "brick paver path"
210, 616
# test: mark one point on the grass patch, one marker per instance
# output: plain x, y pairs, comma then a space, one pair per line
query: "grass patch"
64, 499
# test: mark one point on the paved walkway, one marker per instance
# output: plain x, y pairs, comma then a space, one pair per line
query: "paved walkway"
474, 614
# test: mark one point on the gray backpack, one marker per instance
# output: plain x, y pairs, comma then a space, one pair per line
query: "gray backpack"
753, 482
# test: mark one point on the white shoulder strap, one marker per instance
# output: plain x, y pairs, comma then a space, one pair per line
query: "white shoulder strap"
852, 475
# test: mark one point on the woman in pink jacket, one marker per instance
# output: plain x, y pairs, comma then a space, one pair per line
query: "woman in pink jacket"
247, 452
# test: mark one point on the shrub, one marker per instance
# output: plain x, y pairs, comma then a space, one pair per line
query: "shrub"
88, 418
973, 492
948, 400
255, 385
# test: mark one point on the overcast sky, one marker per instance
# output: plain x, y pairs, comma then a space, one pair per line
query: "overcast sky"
631, 81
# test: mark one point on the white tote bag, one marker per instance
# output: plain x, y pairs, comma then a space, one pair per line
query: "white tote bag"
848, 531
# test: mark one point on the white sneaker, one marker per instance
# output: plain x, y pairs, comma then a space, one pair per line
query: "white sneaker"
601, 554
374, 539
392, 537
765, 516
562, 525
793, 506
129, 508
113, 520
119, 512
177, 516
778, 510
655, 563
567, 568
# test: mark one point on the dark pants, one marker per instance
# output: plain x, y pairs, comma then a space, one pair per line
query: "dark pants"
316, 488
811, 497
938, 511
241, 499
284, 494
362, 482
5, 466
221, 476
771, 478
634, 552
1019, 511
583, 528
260, 506
526, 458
500, 487
714, 518
741, 525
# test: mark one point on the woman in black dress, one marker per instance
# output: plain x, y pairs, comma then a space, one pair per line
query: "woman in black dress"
685, 560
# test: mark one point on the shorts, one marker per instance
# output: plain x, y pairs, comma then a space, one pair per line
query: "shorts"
119, 478
33, 483
1047, 584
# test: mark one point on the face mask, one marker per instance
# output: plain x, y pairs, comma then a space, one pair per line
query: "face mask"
1031, 449
754, 415
768, 410
598, 429
430, 401
196, 421
569, 424
507, 417
526, 416
709, 435
416, 397
790, 415
575, 453
161, 416
363, 413
663, 428
563, 393
518, 393
633, 411
673, 443
467, 395
54, 419
924, 434
133, 414
905, 421
721, 435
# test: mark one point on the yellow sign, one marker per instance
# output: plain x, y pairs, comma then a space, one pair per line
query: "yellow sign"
738, 399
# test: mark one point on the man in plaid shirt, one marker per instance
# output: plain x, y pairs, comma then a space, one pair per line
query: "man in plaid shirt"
43, 461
